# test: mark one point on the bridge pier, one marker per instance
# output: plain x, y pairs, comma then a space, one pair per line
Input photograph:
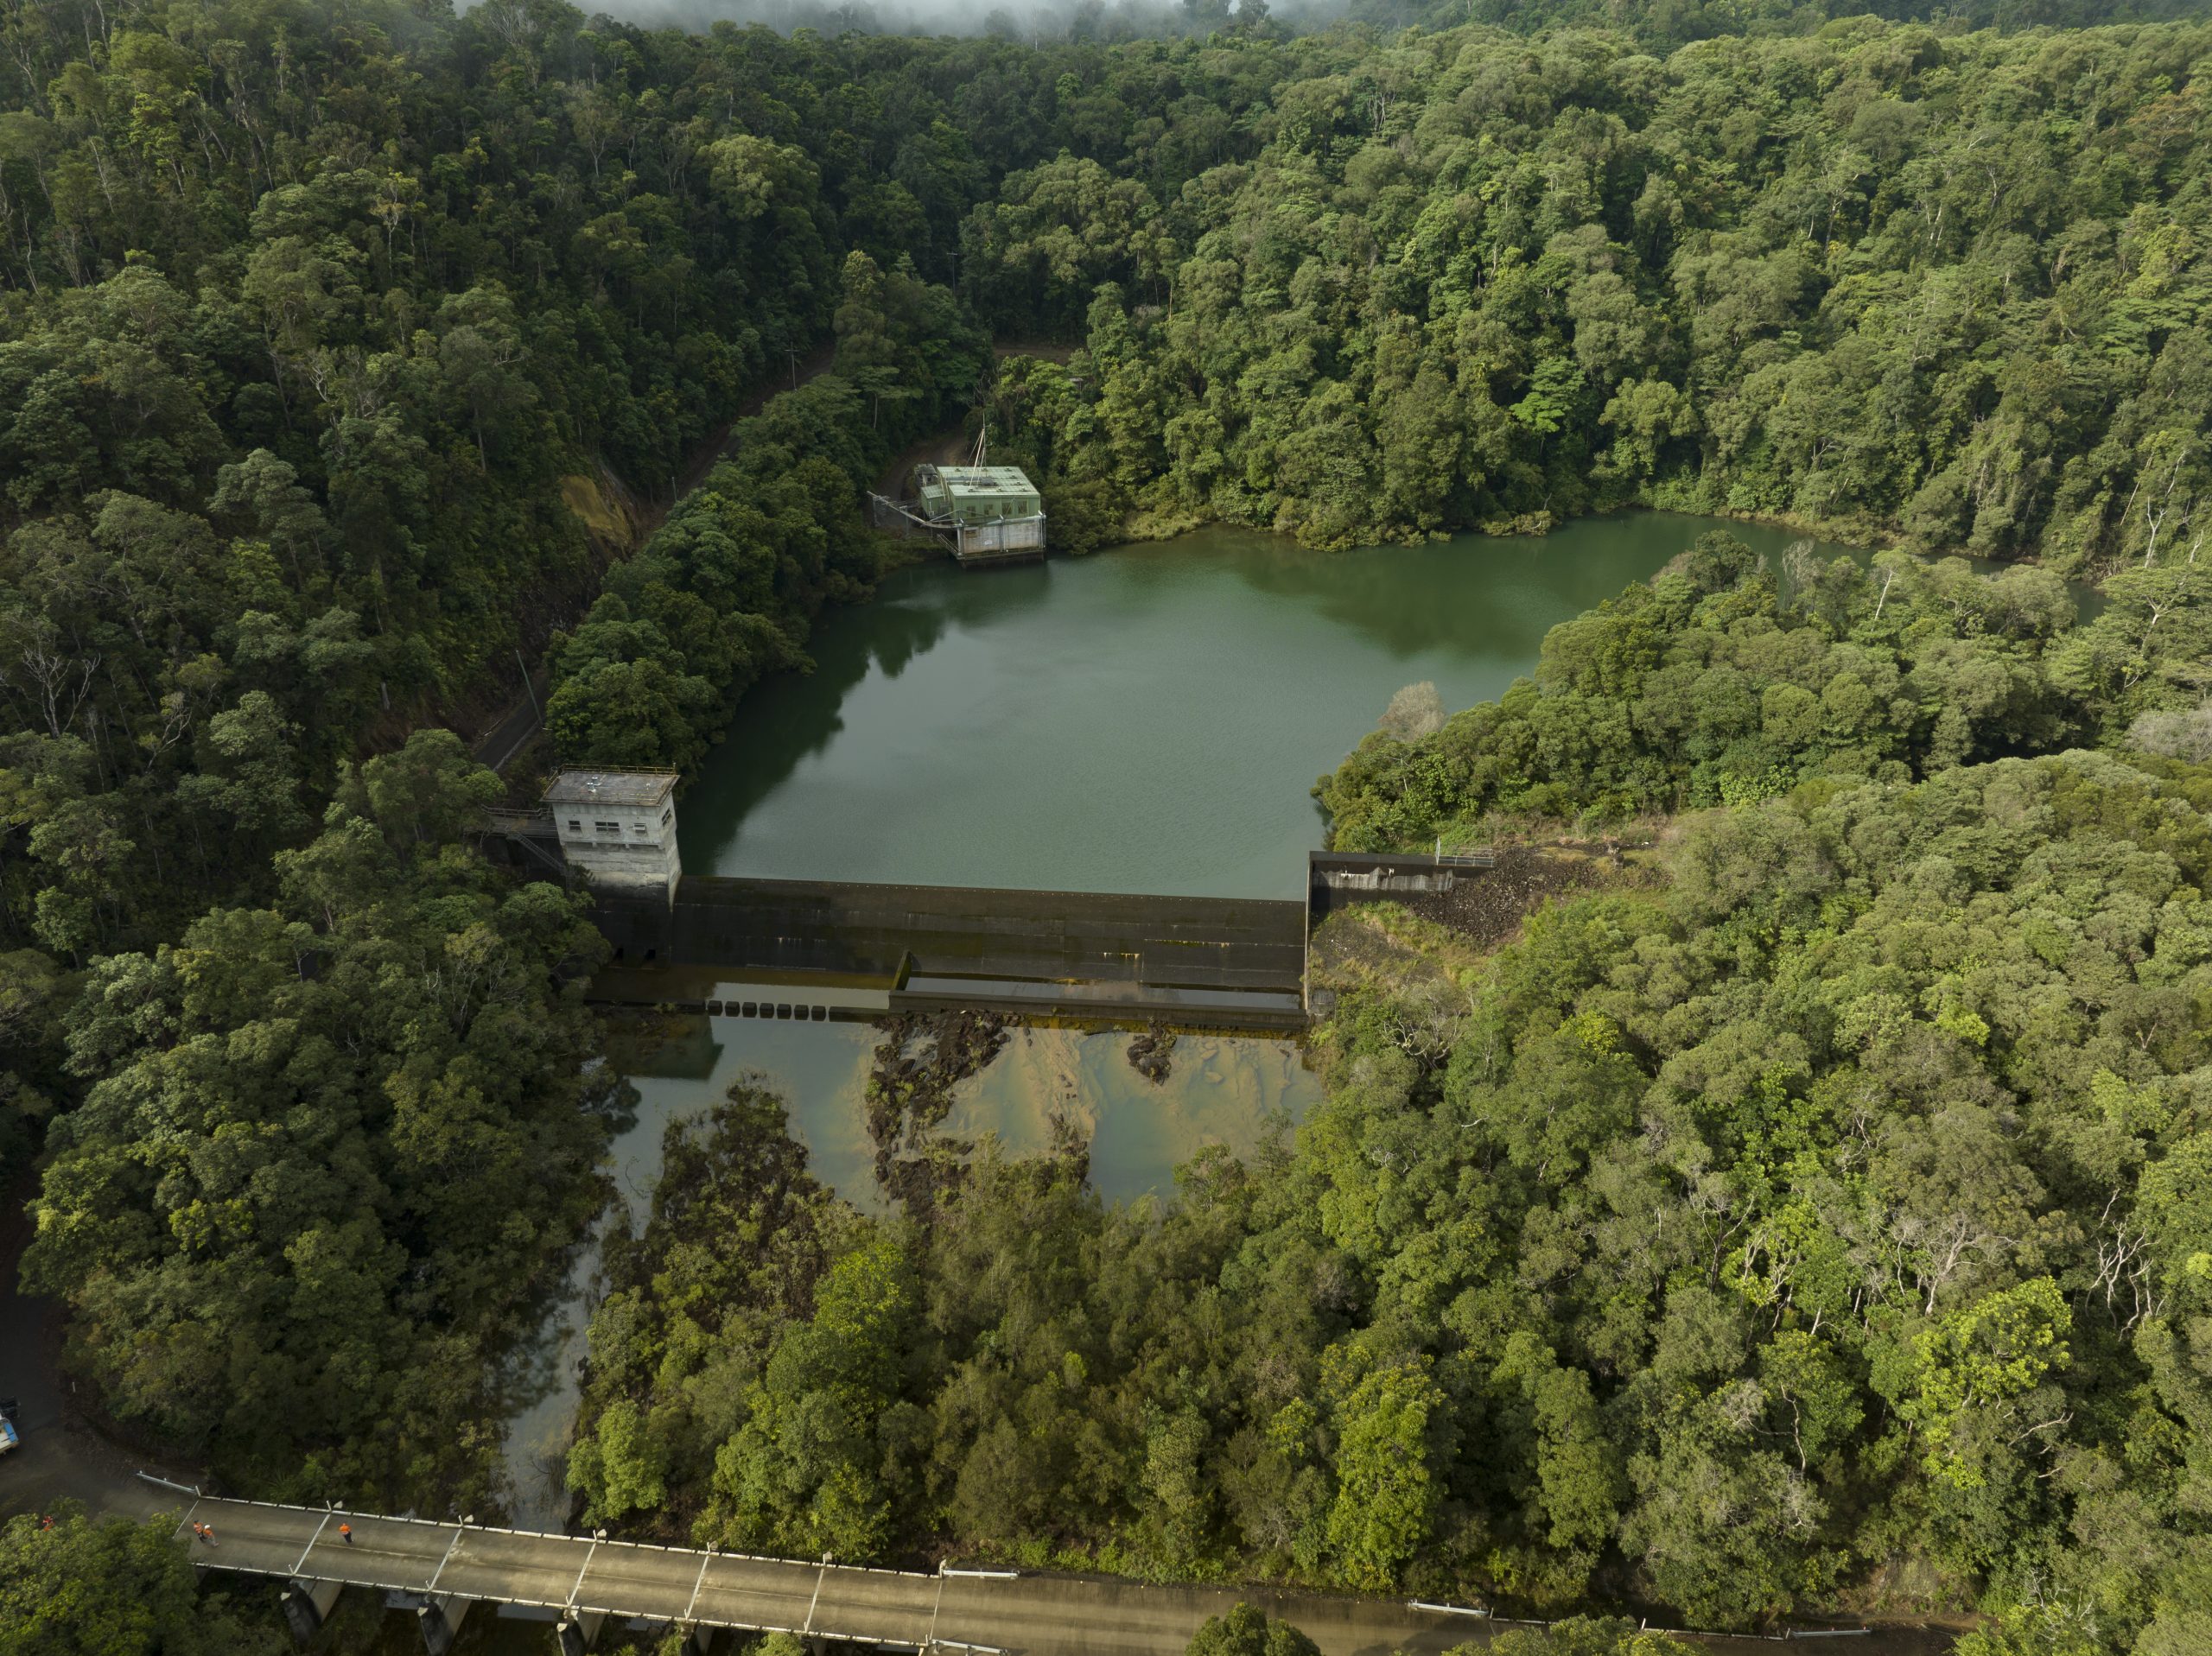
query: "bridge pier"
307, 1605
579, 1631
440, 1620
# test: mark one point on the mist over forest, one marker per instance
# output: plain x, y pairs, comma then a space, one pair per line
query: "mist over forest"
1106, 21
1011, 19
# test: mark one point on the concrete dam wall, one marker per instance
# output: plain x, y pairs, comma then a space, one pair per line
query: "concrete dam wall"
1085, 954
720, 944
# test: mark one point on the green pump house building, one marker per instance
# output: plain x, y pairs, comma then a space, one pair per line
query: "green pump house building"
993, 513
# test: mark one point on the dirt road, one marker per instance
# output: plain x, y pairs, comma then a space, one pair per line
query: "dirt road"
62, 1456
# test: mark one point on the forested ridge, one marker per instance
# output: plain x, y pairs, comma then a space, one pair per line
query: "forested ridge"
1815, 1215
1654, 701
1879, 279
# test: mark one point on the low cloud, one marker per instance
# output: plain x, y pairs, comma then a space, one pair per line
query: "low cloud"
1101, 19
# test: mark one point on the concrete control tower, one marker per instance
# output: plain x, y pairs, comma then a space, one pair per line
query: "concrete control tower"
618, 828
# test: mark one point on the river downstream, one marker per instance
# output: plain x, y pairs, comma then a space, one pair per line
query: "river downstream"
1148, 720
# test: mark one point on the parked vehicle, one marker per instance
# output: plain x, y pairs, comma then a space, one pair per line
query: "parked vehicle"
12, 1436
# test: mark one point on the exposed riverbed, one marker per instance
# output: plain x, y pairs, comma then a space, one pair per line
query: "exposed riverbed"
1148, 720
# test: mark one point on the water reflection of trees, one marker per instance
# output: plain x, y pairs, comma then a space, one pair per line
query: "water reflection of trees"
788, 718
1475, 597
1472, 596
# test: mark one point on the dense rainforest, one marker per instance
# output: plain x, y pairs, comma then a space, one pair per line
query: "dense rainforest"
1816, 1212
1820, 1209
1947, 291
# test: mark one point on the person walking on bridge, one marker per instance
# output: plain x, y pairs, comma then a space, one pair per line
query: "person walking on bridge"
346, 1533
206, 1532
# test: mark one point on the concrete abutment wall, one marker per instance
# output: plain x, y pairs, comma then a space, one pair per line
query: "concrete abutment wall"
870, 930
1111, 957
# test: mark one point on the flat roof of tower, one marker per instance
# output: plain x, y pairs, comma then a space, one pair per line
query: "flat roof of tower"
610, 787
986, 479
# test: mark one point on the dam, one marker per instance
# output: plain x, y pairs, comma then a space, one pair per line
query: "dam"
1232, 962
722, 944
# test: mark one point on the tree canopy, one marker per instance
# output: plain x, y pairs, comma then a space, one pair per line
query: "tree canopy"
1824, 1192
114, 1588
1888, 280
1705, 686
1815, 1205
270, 1211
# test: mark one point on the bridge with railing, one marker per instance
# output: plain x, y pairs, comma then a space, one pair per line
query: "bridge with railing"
580, 1584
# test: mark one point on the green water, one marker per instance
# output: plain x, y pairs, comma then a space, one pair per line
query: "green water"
1225, 1090
1147, 720
1222, 1091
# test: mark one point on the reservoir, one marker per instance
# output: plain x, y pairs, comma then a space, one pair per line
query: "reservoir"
1148, 720
1151, 719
